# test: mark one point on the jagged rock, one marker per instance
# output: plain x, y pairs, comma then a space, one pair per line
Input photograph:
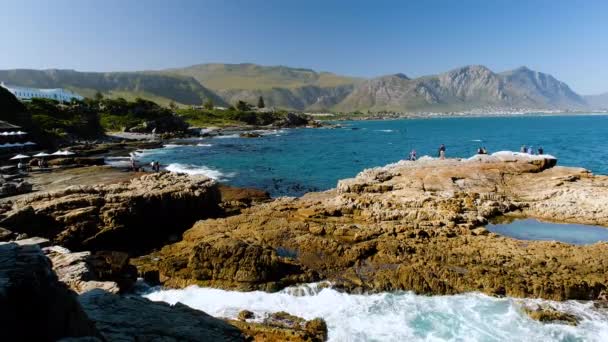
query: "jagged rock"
41, 242
407, 226
14, 188
134, 318
34, 305
132, 216
548, 314
245, 315
282, 326
6, 234
234, 199
84, 271
250, 135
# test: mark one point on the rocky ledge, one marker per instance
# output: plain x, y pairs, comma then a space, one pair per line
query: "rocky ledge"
133, 216
408, 226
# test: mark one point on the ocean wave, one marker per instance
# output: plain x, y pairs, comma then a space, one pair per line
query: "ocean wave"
400, 316
477, 140
384, 130
204, 145
172, 145
229, 136
191, 169
118, 161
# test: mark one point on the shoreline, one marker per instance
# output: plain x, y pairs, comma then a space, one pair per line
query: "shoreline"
408, 226
464, 116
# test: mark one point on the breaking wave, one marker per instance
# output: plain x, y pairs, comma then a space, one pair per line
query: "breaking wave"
191, 169
401, 316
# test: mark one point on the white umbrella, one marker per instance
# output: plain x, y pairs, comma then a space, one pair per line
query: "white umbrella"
20, 156
41, 154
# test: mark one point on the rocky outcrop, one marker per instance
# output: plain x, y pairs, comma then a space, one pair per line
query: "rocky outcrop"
548, 314
408, 226
134, 318
132, 216
84, 271
14, 188
34, 305
281, 326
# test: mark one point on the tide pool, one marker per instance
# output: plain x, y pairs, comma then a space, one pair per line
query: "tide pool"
295, 161
530, 229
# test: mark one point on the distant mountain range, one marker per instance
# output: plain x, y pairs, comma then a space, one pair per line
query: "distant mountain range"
464, 89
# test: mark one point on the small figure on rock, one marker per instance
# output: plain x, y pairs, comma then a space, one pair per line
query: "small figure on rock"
442, 151
540, 150
412, 155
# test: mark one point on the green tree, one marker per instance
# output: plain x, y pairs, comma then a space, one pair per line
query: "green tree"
98, 96
261, 102
208, 104
243, 106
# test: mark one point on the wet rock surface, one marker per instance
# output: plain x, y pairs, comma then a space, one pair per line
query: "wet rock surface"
407, 226
132, 216
282, 326
548, 314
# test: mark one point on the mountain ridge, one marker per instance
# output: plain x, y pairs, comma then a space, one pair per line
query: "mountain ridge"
465, 88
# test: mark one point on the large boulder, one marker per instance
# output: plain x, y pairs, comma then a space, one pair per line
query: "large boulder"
84, 271
133, 216
408, 226
34, 304
134, 318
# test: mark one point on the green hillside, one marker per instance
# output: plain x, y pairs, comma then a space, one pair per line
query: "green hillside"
161, 88
257, 77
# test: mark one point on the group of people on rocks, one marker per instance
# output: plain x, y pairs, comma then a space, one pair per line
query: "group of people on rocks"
481, 150
530, 150
154, 165
440, 153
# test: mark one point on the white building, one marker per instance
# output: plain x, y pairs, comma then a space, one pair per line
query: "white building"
26, 94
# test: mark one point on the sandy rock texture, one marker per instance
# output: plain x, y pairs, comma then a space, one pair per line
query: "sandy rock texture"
132, 216
411, 226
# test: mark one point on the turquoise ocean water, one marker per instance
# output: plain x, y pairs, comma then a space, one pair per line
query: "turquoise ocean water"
295, 161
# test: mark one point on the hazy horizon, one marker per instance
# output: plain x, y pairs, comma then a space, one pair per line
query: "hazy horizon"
356, 39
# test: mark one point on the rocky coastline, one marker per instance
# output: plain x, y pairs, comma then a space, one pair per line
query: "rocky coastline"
416, 226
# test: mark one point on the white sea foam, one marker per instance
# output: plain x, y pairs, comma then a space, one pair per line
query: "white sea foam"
118, 161
477, 140
229, 136
204, 145
385, 130
199, 170
172, 145
400, 316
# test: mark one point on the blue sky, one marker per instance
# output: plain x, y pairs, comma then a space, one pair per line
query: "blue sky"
568, 39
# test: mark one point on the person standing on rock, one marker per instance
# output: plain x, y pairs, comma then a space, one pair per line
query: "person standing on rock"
530, 150
540, 150
413, 155
442, 151
523, 149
